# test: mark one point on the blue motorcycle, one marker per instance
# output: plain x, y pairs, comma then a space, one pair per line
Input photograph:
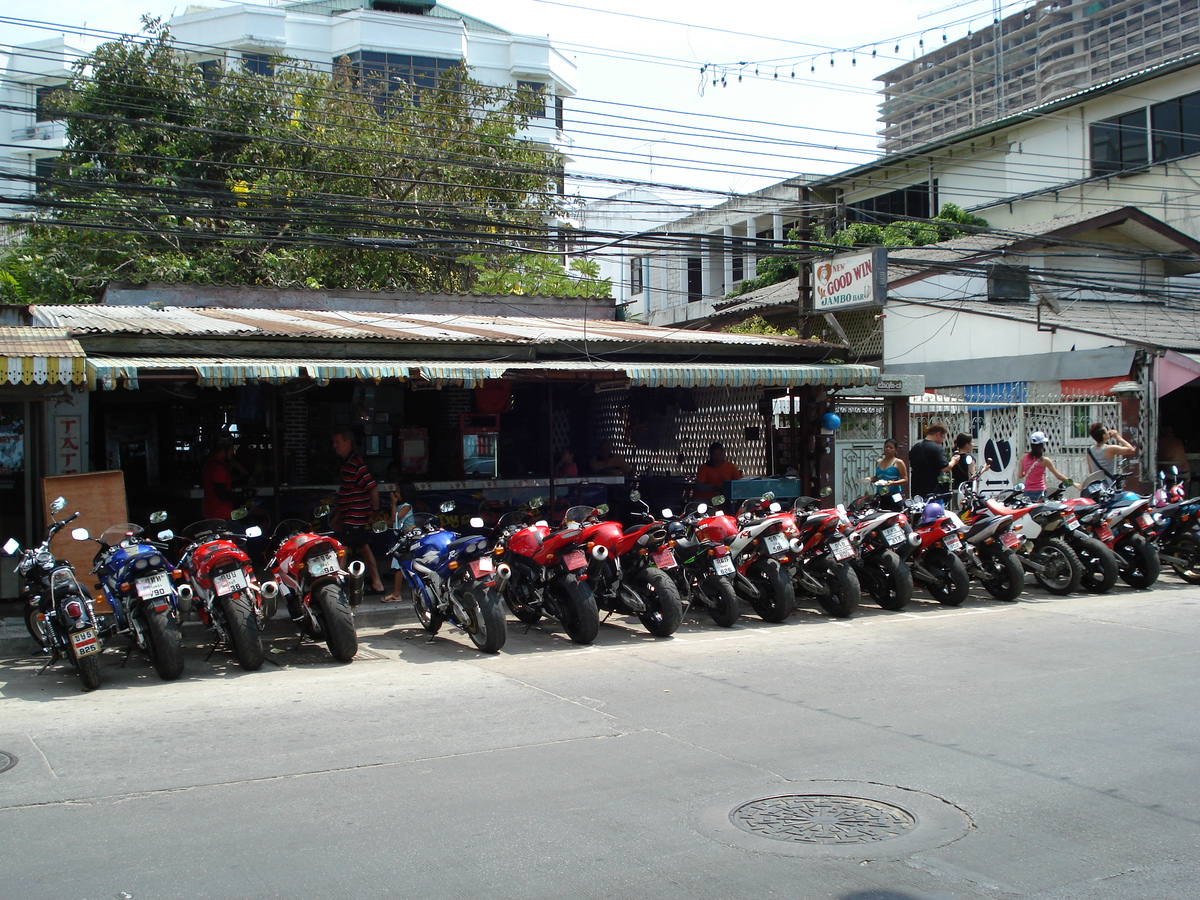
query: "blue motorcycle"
138, 585
453, 579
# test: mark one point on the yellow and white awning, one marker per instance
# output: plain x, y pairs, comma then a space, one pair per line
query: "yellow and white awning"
40, 356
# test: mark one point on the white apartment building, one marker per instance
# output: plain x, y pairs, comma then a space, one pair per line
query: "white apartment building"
409, 41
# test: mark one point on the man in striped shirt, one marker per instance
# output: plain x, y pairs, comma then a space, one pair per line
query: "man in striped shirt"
357, 498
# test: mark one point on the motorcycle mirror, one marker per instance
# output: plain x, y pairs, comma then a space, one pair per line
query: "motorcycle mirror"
667, 514
58, 505
969, 459
158, 516
775, 507
11, 547
80, 534
321, 511
541, 523
702, 507
476, 522
166, 535
240, 513
718, 500
635, 496
536, 503
1175, 471
253, 531
768, 496
379, 527
448, 506
602, 509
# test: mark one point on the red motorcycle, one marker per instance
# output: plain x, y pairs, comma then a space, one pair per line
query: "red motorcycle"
705, 572
221, 584
823, 564
319, 592
883, 539
630, 569
934, 561
544, 572
761, 540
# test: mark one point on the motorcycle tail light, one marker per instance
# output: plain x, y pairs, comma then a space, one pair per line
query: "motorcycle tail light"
341, 554
452, 565
74, 609
498, 550
903, 520
125, 586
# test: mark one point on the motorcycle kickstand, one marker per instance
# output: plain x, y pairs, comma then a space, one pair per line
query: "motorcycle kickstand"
51, 661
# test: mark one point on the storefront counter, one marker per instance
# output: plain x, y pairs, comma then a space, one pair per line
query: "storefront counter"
746, 488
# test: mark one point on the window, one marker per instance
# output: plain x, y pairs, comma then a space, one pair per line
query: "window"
739, 259
695, 279
383, 74
210, 71
44, 103
1176, 127
1119, 143
44, 170
907, 203
531, 98
559, 117
635, 275
258, 64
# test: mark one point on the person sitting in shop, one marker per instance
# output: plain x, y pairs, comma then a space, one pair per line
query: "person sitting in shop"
714, 473
609, 462
566, 467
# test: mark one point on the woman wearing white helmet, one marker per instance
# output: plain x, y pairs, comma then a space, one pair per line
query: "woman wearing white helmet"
1034, 465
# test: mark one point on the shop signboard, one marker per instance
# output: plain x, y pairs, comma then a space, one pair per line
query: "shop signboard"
850, 281
67, 445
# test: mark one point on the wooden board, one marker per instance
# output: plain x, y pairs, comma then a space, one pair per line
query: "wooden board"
100, 499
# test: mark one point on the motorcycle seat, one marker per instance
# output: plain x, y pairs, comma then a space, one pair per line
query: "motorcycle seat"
1016, 512
467, 539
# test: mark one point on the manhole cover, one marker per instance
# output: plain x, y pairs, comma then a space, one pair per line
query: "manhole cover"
7, 761
823, 819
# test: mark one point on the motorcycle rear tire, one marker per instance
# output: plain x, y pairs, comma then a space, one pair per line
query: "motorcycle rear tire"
431, 620
725, 609
89, 671
888, 580
1100, 569
164, 644
777, 596
1066, 571
955, 582
486, 627
664, 608
1008, 576
1141, 565
845, 592
242, 623
336, 620
577, 608
1187, 547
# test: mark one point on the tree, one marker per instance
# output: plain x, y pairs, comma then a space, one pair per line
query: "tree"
338, 180
538, 274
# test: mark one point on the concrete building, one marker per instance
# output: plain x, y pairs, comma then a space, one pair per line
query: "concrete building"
1047, 51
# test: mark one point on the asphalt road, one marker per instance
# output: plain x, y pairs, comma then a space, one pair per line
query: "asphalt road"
1044, 749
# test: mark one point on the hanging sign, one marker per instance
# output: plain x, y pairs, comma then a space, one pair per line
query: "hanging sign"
850, 281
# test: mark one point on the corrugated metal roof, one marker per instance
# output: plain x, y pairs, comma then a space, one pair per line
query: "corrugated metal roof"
22, 340
39, 356
352, 326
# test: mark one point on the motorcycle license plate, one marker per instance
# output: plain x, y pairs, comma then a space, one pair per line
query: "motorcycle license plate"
325, 564
1071, 522
841, 550
664, 558
84, 641
154, 586
574, 559
228, 582
953, 544
776, 543
1104, 533
1147, 520
483, 564
894, 535
1010, 540
723, 565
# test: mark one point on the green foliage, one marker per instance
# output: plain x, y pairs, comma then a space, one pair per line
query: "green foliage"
540, 274
758, 325
950, 223
301, 178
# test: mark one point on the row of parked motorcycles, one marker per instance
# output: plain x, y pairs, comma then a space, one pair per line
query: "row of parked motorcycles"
652, 567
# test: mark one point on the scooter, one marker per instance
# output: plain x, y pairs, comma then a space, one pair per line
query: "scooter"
139, 587
630, 568
320, 593
452, 578
58, 611
541, 571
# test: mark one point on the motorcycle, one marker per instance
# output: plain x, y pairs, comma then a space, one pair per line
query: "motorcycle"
1175, 536
822, 566
1122, 521
705, 572
1043, 549
761, 547
452, 578
934, 560
990, 545
630, 568
320, 593
544, 572
58, 611
220, 583
881, 536
139, 587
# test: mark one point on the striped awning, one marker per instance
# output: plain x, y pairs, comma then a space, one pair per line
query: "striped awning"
373, 369
40, 356
110, 372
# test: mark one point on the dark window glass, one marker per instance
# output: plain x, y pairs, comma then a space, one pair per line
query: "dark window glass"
1120, 143
43, 169
695, 279
531, 97
45, 102
559, 118
635, 275
383, 74
907, 203
739, 259
1176, 127
211, 71
258, 64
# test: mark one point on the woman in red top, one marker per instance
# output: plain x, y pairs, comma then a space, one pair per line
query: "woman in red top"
716, 471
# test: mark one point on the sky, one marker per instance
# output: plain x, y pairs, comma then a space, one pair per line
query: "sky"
645, 113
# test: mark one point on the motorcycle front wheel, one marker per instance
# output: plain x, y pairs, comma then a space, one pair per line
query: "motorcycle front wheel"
953, 581
577, 608
431, 619
1006, 578
720, 593
34, 626
164, 644
664, 608
776, 599
242, 624
1100, 570
1140, 563
1061, 572
485, 626
336, 620
1187, 548
844, 591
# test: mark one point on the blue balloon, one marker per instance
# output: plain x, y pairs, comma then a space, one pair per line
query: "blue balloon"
831, 421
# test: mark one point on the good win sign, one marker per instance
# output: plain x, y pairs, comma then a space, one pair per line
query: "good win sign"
850, 281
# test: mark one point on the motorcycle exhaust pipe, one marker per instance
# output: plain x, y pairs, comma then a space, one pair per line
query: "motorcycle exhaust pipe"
600, 553
357, 570
503, 573
268, 594
185, 595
